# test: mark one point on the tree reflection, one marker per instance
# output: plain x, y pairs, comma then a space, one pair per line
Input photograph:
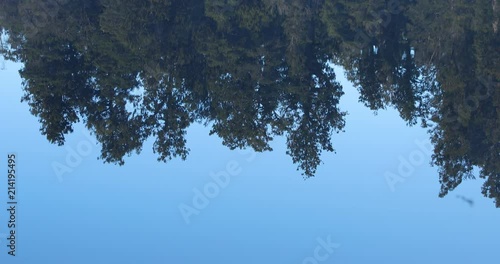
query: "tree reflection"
253, 70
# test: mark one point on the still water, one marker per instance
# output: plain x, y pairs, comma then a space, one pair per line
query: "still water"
261, 76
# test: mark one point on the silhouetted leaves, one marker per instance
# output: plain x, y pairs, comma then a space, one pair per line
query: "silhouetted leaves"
253, 70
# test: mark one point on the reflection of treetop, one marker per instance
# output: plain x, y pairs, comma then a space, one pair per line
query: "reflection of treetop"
257, 69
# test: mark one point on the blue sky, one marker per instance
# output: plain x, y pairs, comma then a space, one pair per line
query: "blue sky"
92, 212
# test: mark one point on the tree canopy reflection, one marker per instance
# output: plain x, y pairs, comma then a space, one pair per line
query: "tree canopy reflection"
253, 70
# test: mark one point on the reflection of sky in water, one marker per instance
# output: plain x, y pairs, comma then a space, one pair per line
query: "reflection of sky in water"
266, 214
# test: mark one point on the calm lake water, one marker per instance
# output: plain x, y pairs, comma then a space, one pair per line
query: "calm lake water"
322, 117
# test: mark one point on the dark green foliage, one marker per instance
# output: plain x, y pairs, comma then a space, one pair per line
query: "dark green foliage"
131, 70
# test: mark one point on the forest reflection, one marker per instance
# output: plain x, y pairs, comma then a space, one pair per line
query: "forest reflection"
253, 70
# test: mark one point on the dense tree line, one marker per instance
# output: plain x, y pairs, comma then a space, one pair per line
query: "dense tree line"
253, 70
